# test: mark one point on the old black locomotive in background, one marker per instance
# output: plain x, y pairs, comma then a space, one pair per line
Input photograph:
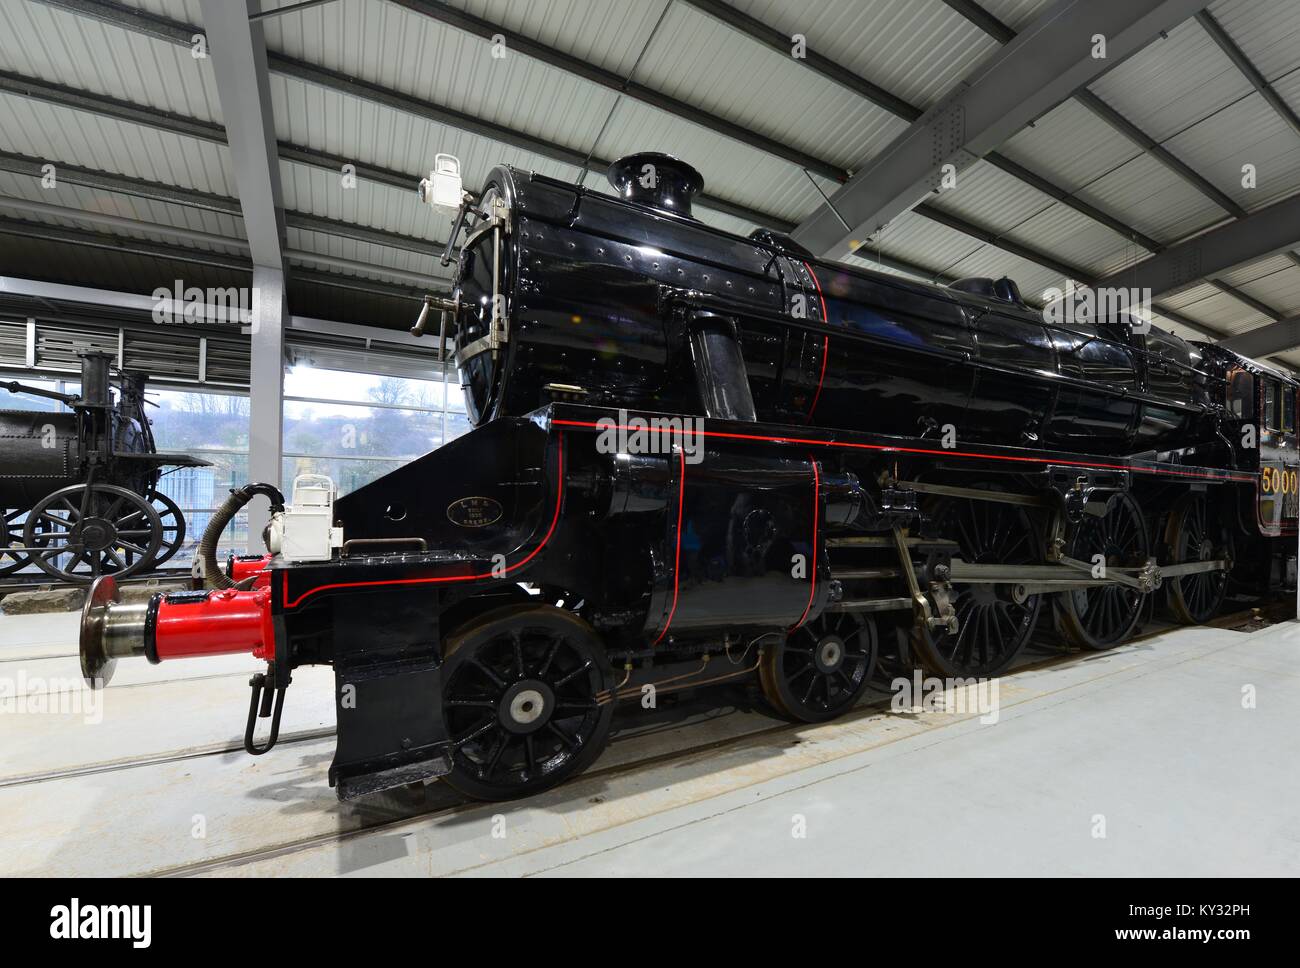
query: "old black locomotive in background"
885, 471
80, 490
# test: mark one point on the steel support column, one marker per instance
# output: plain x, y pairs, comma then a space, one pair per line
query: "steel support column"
265, 391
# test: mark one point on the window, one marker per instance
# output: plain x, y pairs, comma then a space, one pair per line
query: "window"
1272, 405
214, 427
1241, 395
356, 427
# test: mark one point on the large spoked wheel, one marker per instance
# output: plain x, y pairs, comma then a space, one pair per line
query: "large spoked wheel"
525, 701
993, 627
1103, 616
821, 669
80, 533
1194, 532
12, 561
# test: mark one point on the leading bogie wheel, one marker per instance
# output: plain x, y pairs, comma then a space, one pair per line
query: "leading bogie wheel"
526, 699
820, 670
1103, 616
79, 533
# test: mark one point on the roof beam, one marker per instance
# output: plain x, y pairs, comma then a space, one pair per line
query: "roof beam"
1030, 254
1265, 340
1158, 151
1244, 64
203, 257
207, 201
1043, 66
1256, 236
119, 243
984, 20
238, 54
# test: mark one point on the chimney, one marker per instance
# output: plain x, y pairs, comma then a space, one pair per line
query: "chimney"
656, 180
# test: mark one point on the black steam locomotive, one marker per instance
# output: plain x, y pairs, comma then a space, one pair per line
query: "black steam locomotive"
701, 457
79, 490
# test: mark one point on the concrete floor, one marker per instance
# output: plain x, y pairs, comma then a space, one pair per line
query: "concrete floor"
1141, 761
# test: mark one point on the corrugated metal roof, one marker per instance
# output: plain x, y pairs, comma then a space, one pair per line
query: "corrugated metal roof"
1173, 82
405, 52
84, 199
1248, 131
915, 49
1275, 282
1220, 311
698, 59
1071, 145
608, 33
1267, 31
88, 54
1146, 195
379, 256
60, 134
1075, 239
992, 198
1182, 90
916, 239
374, 205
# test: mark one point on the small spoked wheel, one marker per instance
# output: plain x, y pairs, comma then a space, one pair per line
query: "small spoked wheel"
79, 533
993, 628
1103, 616
12, 533
1196, 532
525, 700
820, 670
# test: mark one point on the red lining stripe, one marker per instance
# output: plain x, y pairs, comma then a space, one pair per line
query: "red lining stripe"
812, 591
559, 498
826, 342
677, 560
807, 441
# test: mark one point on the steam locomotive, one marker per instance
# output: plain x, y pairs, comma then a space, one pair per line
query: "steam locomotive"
700, 457
79, 490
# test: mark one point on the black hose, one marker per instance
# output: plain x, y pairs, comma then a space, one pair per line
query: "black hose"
213, 576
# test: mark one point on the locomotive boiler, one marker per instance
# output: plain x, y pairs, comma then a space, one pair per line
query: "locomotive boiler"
79, 490
700, 457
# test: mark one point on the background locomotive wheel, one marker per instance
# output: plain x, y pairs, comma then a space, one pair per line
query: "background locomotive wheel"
994, 628
77, 545
1196, 531
172, 530
11, 561
819, 670
520, 688
1105, 615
